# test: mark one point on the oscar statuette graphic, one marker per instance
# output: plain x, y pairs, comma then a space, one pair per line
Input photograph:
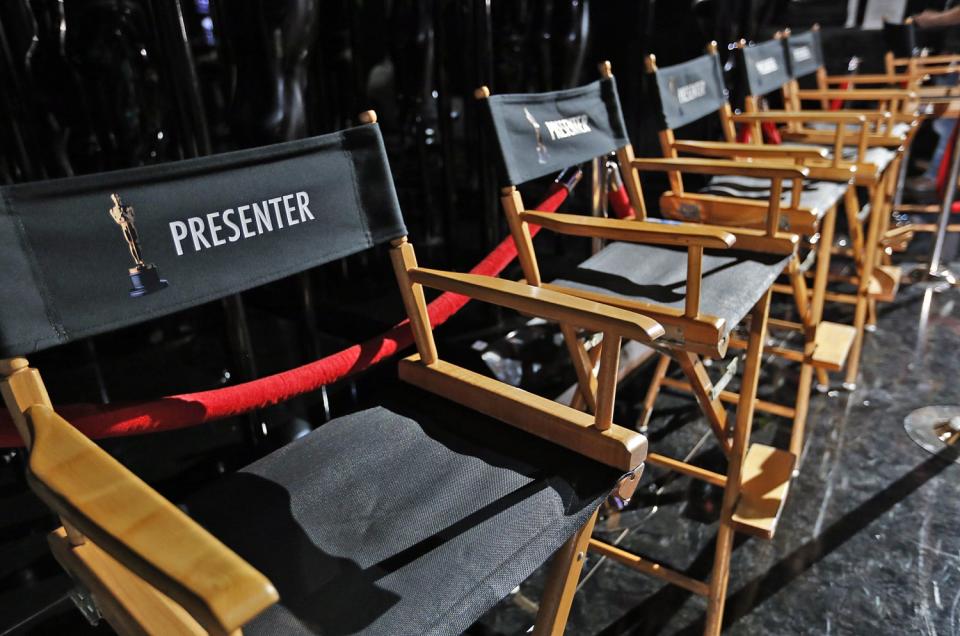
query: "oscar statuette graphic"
543, 155
144, 277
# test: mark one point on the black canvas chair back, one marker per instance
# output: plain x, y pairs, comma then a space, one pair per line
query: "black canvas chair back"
690, 90
804, 53
765, 67
86, 255
901, 38
542, 133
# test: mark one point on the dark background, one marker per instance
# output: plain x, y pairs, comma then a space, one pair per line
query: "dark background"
99, 85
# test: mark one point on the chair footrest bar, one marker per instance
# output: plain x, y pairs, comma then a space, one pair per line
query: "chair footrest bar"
732, 398
656, 459
834, 297
833, 343
888, 279
649, 567
766, 480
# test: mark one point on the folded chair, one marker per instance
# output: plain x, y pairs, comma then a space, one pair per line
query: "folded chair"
687, 93
685, 276
413, 517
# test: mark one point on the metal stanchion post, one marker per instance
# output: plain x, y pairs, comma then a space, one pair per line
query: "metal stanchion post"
936, 272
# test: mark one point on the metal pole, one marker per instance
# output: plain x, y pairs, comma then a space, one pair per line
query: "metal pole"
935, 271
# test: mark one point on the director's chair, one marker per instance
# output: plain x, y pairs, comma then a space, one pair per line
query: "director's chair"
874, 141
409, 518
691, 91
683, 275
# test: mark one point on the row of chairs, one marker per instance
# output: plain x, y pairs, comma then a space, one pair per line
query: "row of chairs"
417, 516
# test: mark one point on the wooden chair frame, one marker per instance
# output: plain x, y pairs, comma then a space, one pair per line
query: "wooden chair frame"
826, 345
873, 128
152, 569
752, 507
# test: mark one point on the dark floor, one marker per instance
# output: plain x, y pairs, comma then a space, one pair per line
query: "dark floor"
868, 542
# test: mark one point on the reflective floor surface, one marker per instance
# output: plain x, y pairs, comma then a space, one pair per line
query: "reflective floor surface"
868, 542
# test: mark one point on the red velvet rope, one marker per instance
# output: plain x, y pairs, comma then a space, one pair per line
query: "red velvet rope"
190, 409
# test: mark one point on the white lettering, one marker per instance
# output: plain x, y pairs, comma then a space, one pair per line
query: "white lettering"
215, 229
690, 92
569, 127
802, 53
276, 210
288, 208
767, 66
179, 231
196, 230
245, 221
302, 201
230, 224
208, 231
263, 218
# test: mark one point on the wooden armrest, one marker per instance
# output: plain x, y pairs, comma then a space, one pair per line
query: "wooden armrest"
674, 233
868, 78
727, 149
785, 116
946, 58
139, 528
720, 166
542, 302
880, 94
880, 114
829, 137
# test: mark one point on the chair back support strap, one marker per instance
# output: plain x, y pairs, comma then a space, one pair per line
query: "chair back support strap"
542, 133
804, 53
765, 67
92, 254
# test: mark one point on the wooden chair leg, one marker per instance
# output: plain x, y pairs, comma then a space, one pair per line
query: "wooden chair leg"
720, 576
663, 363
815, 315
851, 205
700, 384
863, 285
583, 365
823, 379
562, 582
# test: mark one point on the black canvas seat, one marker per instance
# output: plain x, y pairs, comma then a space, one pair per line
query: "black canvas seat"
733, 281
817, 196
876, 155
400, 520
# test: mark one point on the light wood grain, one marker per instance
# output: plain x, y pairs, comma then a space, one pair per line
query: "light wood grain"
404, 259
702, 335
726, 149
716, 209
719, 166
146, 533
857, 93
766, 481
832, 345
617, 446
607, 380
690, 470
129, 604
542, 302
684, 234
648, 567
784, 116
561, 584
